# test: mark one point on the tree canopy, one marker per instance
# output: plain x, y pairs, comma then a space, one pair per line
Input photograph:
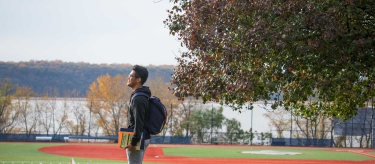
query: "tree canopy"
109, 98
203, 121
290, 52
44, 75
8, 117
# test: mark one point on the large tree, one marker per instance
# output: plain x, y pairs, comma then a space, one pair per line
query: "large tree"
186, 108
244, 51
206, 121
233, 129
278, 119
22, 103
8, 116
109, 97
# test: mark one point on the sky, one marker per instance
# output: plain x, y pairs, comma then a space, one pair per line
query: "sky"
92, 31
96, 31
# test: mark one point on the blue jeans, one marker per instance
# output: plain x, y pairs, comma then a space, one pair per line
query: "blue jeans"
136, 157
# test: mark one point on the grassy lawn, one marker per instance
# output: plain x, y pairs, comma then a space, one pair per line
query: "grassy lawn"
235, 152
27, 153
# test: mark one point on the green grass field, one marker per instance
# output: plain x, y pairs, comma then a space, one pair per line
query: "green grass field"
235, 152
27, 153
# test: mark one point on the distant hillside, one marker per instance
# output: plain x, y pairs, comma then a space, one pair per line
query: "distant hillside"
65, 76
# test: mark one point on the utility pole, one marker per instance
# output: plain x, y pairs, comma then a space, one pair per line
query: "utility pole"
351, 136
291, 127
172, 123
212, 114
171, 120
252, 134
90, 120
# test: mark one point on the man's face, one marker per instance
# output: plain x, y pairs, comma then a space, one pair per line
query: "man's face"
132, 79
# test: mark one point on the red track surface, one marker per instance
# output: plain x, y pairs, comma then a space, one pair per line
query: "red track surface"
155, 154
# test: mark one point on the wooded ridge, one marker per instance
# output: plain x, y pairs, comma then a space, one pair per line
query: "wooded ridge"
66, 76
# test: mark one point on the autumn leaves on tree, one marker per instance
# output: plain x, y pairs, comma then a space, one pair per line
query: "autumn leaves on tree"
307, 55
108, 99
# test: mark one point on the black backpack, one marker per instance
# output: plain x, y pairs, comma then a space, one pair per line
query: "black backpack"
158, 114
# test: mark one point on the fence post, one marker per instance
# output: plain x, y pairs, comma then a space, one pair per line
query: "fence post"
212, 115
291, 127
172, 122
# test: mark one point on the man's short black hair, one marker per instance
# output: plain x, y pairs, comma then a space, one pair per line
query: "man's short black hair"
141, 72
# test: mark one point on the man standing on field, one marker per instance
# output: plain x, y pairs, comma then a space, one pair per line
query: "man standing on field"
138, 114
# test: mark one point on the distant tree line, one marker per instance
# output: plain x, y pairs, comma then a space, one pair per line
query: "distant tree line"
104, 111
46, 75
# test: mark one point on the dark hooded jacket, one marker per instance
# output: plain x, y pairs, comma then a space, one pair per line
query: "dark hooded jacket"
138, 114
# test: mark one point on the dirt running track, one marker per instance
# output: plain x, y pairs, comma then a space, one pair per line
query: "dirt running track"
155, 154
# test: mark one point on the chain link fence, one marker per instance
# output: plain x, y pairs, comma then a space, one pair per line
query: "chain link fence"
320, 139
230, 138
85, 138
288, 138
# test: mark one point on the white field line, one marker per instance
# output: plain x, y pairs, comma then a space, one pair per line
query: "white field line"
362, 153
358, 152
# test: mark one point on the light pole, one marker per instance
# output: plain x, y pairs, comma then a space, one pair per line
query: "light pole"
90, 120
251, 135
291, 127
212, 113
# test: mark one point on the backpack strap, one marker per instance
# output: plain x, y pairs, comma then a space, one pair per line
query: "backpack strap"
139, 94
